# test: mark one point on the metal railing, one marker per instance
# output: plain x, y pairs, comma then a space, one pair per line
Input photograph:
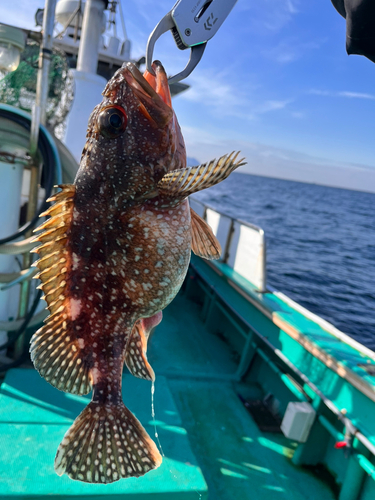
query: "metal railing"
243, 244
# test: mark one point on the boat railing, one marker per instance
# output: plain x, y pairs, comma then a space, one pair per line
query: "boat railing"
243, 244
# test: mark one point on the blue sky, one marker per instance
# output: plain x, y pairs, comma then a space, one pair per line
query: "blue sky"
274, 82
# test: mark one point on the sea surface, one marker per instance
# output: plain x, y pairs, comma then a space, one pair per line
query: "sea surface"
320, 244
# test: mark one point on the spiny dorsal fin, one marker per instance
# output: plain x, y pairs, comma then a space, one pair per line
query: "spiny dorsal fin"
204, 242
56, 348
186, 181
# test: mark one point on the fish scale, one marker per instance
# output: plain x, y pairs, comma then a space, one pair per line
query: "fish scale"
113, 254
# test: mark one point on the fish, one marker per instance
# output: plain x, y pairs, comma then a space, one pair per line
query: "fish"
113, 253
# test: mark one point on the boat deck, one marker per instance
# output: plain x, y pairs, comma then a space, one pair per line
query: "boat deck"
238, 461
213, 448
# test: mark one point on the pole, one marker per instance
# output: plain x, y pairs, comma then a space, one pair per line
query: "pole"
90, 36
39, 111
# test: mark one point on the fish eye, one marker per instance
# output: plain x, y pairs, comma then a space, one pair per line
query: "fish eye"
112, 121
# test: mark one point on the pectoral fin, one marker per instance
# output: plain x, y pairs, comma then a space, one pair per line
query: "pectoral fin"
204, 242
184, 182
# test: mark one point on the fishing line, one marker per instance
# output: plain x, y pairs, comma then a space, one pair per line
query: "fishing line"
154, 419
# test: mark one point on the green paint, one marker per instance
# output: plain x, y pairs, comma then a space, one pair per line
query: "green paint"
31, 431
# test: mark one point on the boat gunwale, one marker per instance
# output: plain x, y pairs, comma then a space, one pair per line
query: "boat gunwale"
318, 352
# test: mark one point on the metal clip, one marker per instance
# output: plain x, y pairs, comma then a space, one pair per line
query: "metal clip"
196, 54
192, 25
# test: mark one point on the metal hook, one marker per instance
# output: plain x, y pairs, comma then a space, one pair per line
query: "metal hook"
167, 24
196, 54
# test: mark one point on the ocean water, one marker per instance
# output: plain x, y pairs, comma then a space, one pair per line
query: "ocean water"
320, 244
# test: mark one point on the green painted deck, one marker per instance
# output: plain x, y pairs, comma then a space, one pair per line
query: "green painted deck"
238, 461
34, 418
209, 439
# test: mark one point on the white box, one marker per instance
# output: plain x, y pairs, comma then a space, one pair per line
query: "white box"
297, 421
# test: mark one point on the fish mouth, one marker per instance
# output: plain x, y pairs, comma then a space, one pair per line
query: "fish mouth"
152, 92
159, 82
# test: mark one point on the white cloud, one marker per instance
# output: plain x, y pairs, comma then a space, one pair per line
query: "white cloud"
320, 92
291, 6
216, 91
277, 14
290, 50
348, 94
221, 95
298, 114
271, 15
151, 11
356, 95
272, 106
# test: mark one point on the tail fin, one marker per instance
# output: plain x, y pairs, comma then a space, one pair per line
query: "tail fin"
104, 444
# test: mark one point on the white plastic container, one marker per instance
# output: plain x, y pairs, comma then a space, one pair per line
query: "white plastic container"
297, 421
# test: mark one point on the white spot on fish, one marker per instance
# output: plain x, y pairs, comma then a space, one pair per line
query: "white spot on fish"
95, 373
75, 308
76, 261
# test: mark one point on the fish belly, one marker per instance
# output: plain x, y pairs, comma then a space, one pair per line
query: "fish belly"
158, 256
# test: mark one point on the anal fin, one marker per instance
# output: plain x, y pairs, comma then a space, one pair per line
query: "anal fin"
136, 348
204, 242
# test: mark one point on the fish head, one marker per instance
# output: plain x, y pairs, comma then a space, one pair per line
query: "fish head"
136, 125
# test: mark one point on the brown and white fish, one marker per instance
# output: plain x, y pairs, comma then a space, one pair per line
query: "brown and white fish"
113, 255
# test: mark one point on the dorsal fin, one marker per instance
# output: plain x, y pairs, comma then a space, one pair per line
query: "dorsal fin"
56, 349
204, 242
